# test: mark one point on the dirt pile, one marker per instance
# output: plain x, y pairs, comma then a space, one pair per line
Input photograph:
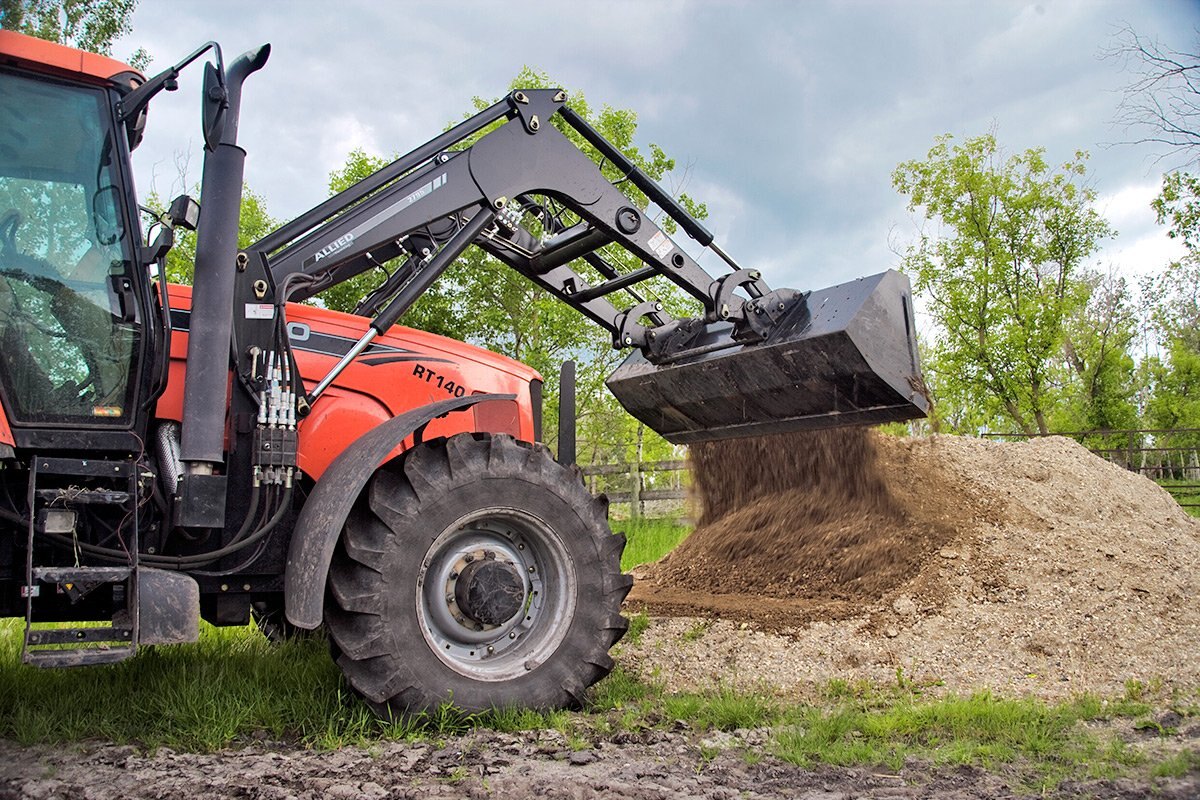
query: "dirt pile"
800, 515
814, 516
1037, 567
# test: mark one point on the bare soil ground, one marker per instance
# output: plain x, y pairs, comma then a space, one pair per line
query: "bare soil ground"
656, 766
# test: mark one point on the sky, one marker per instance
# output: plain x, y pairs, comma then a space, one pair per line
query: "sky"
786, 118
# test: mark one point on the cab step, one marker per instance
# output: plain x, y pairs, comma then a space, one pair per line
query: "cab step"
79, 656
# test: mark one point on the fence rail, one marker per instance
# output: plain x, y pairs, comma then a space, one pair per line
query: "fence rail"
642, 484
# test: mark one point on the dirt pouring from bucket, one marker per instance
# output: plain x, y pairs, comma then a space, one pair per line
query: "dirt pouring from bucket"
1031, 568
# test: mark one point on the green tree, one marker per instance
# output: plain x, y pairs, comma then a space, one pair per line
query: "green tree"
1175, 402
253, 223
1099, 384
485, 302
1176, 291
92, 25
1000, 272
1174, 307
1160, 107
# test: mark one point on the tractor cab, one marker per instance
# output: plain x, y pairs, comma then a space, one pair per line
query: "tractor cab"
73, 298
69, 321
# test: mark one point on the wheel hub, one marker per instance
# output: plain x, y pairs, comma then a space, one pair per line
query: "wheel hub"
494, 587
490, 591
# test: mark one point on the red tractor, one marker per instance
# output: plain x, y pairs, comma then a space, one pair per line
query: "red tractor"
170, 453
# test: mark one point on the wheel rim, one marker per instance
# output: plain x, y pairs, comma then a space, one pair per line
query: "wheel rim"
525, 545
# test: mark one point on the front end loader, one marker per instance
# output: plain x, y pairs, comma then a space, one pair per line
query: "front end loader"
226, 451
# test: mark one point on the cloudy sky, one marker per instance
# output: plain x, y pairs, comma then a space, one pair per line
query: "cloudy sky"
790, 116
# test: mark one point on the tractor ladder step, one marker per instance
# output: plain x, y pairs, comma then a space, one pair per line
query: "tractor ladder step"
79, 646
59, 491
78, 657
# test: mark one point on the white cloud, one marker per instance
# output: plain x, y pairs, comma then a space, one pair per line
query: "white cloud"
1142, 245
1129, 205
1142, 255
793, 114
343, 133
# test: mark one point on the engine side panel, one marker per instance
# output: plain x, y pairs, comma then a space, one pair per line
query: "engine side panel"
402, 370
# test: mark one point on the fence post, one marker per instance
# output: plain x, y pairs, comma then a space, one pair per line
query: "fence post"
635, 493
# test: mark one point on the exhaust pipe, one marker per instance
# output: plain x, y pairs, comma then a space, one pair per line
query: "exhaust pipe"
845, 355
205, 393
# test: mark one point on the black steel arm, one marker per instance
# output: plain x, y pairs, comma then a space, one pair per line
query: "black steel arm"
431, 203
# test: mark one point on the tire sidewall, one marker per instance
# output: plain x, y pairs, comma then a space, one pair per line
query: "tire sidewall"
563, 505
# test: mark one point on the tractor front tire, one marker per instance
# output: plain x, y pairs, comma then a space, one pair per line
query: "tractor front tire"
477, 572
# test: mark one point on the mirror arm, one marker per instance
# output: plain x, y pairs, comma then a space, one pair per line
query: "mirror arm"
136, 100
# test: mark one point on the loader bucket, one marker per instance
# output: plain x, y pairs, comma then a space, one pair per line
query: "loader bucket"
846, 355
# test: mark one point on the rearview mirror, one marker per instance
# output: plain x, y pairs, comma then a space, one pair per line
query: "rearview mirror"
105, 217
215, 102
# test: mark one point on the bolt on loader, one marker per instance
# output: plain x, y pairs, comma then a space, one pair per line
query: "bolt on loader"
220, 451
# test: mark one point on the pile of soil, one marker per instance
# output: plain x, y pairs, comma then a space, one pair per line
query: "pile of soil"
807, 515
1036, 566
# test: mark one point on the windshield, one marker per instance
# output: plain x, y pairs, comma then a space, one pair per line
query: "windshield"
68, 321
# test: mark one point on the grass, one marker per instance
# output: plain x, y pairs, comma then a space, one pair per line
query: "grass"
1183, 495
202, 696
649, 539
233, 686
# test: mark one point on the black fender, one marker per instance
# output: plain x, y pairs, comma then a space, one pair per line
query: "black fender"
324, 513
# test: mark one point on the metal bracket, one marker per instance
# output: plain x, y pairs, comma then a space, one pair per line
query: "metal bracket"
765, 313
536, 106
725, 304
630, 332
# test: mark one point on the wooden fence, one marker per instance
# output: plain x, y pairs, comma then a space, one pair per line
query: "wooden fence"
657, 482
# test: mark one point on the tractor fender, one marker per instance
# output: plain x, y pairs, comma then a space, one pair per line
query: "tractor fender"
324, 513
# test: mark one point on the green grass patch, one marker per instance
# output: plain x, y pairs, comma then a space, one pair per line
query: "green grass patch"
639, 623
648, 540
1177, 765
1047, 743
201, 696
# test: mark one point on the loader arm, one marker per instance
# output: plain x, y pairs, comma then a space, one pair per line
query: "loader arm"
507, 193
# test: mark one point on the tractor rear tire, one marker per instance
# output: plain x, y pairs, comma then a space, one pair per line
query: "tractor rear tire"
477, 572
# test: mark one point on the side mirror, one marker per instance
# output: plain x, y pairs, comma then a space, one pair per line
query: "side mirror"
184, 212
161, 245
215, 103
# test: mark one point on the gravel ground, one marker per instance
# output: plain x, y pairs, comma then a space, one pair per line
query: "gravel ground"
657, 765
